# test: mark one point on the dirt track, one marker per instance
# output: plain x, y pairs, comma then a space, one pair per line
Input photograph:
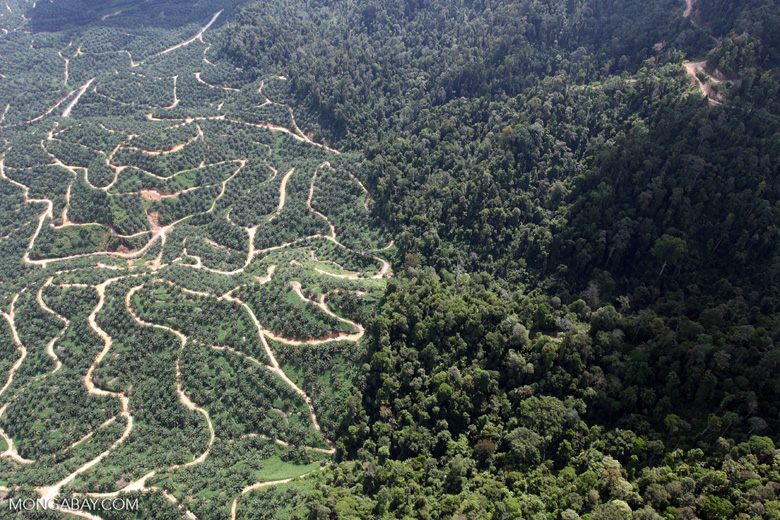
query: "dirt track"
84, 87
19, 346
50, 345
693, 68
49, 492
159, 232
688, 8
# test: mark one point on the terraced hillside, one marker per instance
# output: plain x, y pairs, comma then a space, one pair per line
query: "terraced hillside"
183, 269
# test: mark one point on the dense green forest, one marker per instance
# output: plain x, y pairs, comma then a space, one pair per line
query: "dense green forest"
585, 314
445, 259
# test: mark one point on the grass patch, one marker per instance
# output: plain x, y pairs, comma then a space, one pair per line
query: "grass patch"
274, 468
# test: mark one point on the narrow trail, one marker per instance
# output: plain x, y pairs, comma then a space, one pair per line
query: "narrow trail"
133, 63
384, 272
282, 193
274, 367
365, 201
50, 345
314, 258
84, 87
183, 397
205, 50
268, 352
172, 499
693, 68
298, 132
10, 319
195, 293
224, 183
251, 233
311, 195
388, 246
175, 148
103, 18
67, 202
688, 8
292, 116
222, 87
258, 485
280, 442
276, 371
66, 60
691, 13
267, 277
49, 492
216, 245
14, 231
294, 135
268, 126
175, 97
180, 172
90, 434
52, 109
118, 102
288, 244
197, 36
321, 304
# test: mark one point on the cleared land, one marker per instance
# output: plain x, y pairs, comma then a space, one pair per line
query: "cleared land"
170, 259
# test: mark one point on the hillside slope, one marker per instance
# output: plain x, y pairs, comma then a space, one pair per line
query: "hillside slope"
586, 311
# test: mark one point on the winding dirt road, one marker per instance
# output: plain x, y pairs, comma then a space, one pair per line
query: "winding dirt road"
247, 489
183, 397
693, 69
197, 36
49, 492
321, 304
282, 193
688, 8
311, 195
222, 87
274, 367
50, 345
158, 232
175, 148
267, 277
10, 319
175, 97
